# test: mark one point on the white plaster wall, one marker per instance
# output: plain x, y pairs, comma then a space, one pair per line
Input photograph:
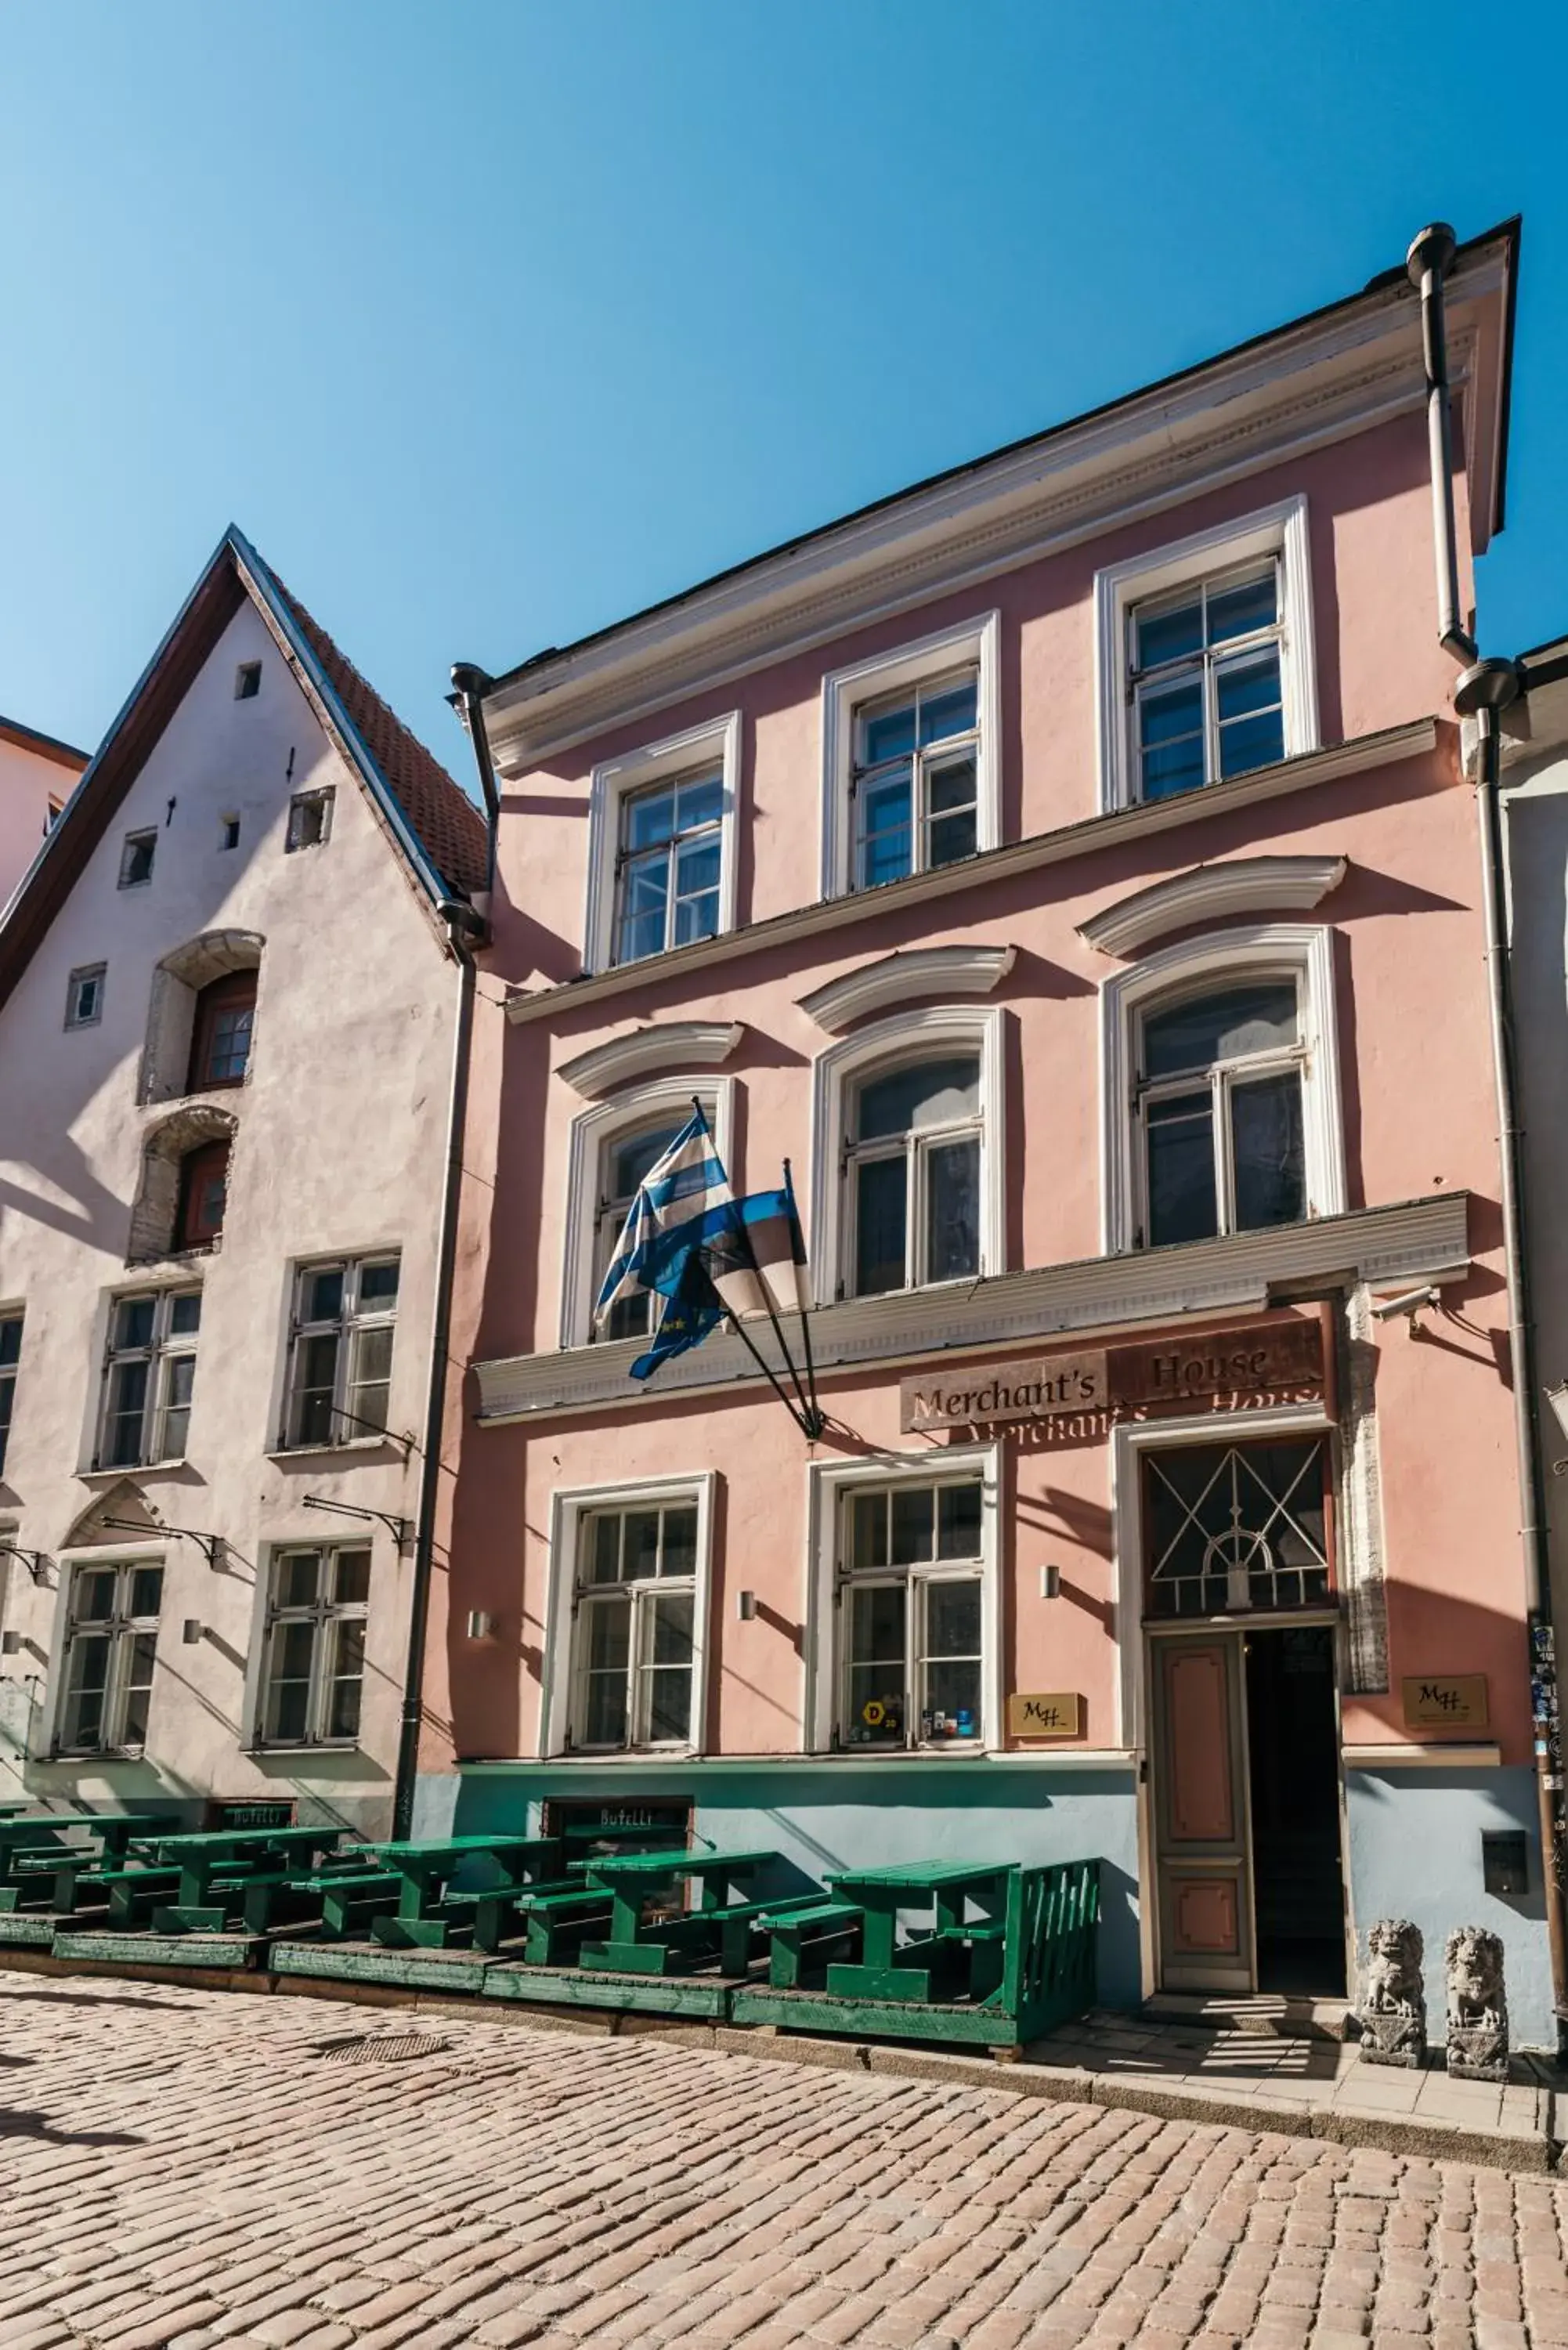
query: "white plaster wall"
27, 785
341, 1146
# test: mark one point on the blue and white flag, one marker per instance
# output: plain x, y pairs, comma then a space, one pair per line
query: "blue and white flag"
690, 1242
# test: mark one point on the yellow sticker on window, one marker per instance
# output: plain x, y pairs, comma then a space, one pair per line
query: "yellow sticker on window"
873, 1713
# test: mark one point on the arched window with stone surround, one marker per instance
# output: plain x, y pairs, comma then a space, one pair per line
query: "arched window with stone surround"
180, 1199
200, 1019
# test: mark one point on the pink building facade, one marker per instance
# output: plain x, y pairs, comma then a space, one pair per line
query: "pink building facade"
1067, 866
38, 775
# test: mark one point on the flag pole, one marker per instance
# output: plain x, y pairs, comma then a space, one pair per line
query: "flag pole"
816, 1421
805, 1417
769, 1374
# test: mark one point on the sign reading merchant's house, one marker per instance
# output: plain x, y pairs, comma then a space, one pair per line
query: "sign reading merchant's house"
1264, 1359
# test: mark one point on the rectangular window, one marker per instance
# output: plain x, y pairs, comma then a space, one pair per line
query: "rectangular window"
314, 1675
915, 781
10, 1355
633, 1611
340, 1368
221, 1032
149, 1375
912, 1159
136, 858
83, 995
111, 1637
667, 864
909, 1607
309, 821
247, 680
1219, 1093
228, 832
624, 1162
1206, 682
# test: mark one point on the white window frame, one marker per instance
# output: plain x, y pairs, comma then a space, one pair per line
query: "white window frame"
716, 741
846, 691
827, 1484
121, 1629
9, 1374
569, 1506
163, 1351
591, 1132
349, 1323
323, 1615
927, 1034
86, 975
1278, 530
1304, 952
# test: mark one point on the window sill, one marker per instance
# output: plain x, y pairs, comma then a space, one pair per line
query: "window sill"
132, 1469
331, 1451
266, 1749
99, 1754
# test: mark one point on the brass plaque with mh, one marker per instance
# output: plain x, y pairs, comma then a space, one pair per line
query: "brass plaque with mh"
1050, 1713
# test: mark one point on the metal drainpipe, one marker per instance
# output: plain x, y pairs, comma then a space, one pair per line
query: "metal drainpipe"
462, 926
1428, 263
1484, 690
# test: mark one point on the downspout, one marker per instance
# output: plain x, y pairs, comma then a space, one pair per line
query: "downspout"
1484, 688
465, 928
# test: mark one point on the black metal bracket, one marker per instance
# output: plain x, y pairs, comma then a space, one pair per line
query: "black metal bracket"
37, 1562
399, 1528
213, 1546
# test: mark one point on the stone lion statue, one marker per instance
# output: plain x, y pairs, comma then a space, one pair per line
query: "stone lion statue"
1476, 1994
1392, 2008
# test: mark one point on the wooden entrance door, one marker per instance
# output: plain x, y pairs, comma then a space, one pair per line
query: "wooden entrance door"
1203, 1892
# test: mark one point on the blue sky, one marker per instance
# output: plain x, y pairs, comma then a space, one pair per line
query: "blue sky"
492, 321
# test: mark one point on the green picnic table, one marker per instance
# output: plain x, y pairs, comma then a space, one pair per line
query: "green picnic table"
720, 1927
236, 1855
59, 1867
426, 1869
948, 1888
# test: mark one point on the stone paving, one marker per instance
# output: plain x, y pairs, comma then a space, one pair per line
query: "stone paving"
184, 2169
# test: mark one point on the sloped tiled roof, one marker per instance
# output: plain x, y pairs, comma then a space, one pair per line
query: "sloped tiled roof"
445, 819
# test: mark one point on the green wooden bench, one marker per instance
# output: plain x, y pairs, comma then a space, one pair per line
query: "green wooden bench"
502, 1911
345, 1896
805, 1937
426, 1908
727, 1933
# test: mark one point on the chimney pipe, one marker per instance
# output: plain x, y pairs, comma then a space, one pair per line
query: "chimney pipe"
1427, 263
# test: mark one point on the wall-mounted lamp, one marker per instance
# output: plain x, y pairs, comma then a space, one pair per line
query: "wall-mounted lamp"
189, 1632
1051, 1582
747, 1606
481, 1624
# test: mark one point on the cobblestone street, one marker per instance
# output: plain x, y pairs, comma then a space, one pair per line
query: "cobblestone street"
191, 2168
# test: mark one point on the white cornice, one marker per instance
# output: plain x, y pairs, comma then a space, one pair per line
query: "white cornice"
1318, 381
1085, 838
666, 1044
1417, 1241
904, 978
1240, 885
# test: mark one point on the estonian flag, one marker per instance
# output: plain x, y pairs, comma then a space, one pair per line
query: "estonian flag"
689, 1241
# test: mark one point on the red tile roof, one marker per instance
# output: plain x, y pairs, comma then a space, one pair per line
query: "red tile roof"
446, 820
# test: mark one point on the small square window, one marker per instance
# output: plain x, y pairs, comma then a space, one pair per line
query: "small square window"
309, 821
228, 832
247, 680
136, 858
84, 996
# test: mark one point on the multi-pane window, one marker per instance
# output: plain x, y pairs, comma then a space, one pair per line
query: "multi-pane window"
1206, 682
10, 1355
912, 1164
203, 1197
221, 1032
910, 1614
914, 785
136, 856
668, 866
634, 1619
111, 1634
314, 1675
150, 1373
625, 1161
340, 1369
83, 995
1220, 1102
1229, 1527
